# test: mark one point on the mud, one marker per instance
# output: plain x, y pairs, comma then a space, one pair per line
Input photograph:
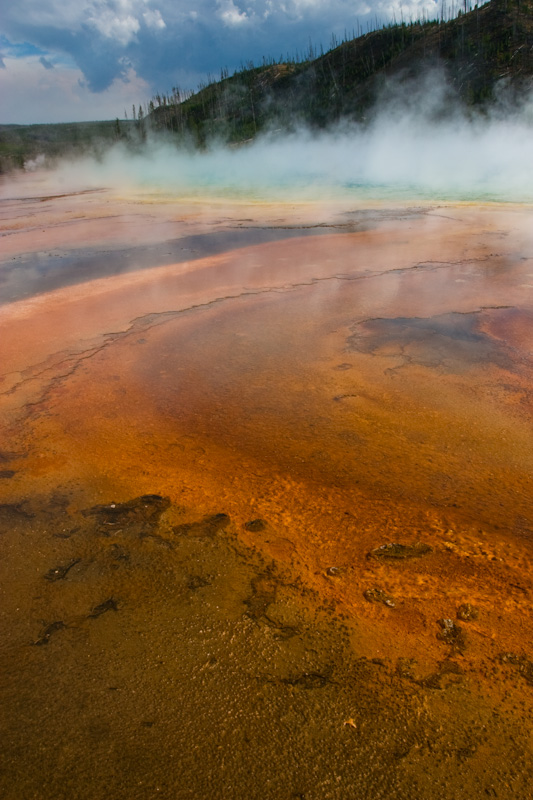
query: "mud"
201, 457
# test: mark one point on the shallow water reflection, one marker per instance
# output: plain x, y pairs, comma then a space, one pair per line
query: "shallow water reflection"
266, 519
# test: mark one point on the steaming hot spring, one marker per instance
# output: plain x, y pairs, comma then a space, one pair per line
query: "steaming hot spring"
265, 467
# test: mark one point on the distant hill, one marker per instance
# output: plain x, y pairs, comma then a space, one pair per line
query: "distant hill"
22, 143
477, 50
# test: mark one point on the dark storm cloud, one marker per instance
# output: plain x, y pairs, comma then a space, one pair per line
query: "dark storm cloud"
162, 39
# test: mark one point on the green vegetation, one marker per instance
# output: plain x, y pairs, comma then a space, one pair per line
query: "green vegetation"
22, 143
478, 49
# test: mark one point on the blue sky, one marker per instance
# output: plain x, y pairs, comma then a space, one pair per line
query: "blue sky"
91, 59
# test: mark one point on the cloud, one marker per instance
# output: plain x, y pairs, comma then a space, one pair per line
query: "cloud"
168, 44
153, 19
230, 14
121, 29
46, 63
62, 94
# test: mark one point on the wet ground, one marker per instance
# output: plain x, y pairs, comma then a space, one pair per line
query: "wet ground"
265, 512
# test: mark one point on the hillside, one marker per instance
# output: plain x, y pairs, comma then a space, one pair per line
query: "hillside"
477, 50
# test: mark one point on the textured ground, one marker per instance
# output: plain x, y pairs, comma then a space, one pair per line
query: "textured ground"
205, 452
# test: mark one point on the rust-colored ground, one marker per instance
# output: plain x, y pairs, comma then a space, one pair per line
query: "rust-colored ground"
365, 386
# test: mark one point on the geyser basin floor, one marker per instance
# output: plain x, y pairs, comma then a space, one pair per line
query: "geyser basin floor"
282, 411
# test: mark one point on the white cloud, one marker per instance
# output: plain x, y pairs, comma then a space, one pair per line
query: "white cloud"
120, 29
32, 94
60, 15
153, 19
230, 14
106, 16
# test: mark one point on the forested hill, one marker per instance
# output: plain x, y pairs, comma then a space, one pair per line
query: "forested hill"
486, 46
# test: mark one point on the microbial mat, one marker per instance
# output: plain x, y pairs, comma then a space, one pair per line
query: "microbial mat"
266, 526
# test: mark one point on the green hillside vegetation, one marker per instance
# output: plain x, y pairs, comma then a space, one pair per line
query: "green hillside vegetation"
22, 143
478, 50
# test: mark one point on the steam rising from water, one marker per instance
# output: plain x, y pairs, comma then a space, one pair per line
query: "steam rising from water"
417, 142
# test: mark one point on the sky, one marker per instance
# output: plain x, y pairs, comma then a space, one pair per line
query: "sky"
93, 59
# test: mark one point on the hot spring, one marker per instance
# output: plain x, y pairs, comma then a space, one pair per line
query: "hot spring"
265, 470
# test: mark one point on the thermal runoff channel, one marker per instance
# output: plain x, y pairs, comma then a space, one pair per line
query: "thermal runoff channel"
265, 467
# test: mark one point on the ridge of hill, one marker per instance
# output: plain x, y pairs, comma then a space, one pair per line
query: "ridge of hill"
477, 50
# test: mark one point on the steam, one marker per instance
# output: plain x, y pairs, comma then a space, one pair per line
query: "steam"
418, 141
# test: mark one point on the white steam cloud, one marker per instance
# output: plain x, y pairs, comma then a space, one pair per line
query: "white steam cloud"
414, 144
